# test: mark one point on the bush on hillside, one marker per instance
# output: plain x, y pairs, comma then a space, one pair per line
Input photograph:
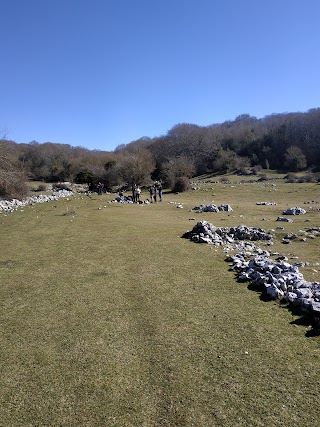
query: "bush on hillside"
181, 184
12, 187
263, 177
41, 187
12, 175
256, 169
309, 177
291, 178
62, 186
225, 179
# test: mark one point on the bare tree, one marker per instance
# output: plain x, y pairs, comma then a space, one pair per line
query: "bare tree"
136, 167
12, 174
177, 167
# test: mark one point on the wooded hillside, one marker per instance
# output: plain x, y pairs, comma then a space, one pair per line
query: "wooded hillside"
285, 142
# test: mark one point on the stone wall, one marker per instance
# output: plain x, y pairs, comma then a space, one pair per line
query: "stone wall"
9, 206
277, 278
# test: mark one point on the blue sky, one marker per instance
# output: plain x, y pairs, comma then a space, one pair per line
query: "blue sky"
99, 73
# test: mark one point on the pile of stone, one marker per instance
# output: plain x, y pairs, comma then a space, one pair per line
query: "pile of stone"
213, 208
277, 278
122, 199
294, 211
315, 230
127, 199
265, 203
8, 206
280, 280
204, 232
310, 233
289, 237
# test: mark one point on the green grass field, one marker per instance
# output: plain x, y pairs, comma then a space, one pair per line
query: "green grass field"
109, 318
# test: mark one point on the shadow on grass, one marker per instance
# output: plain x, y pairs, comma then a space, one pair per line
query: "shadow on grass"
314, 332
304, 319
259, 290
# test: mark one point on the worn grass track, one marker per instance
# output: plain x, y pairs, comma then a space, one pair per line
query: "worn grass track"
109, 318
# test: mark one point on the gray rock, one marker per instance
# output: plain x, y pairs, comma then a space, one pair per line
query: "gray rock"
283, 219
294, 211
303, 293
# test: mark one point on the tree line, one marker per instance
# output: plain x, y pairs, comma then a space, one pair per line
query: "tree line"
284, 142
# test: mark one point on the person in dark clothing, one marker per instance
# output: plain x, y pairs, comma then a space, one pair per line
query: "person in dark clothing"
151, 192
100, 188
160, 191
133, 188
154, 194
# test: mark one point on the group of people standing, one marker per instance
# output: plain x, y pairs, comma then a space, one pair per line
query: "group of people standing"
155, 191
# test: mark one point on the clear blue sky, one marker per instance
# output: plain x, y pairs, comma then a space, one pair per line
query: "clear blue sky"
99, 73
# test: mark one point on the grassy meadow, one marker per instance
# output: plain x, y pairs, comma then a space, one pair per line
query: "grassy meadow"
109, 318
